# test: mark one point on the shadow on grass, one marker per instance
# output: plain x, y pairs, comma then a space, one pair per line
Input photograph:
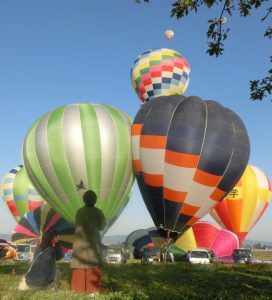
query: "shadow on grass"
188, 281
11, 267
178, 281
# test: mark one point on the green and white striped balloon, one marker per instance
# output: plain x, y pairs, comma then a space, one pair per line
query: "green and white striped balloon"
18, 193
78, 147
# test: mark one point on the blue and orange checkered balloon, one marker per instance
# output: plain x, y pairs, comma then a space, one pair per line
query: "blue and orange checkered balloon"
160, 72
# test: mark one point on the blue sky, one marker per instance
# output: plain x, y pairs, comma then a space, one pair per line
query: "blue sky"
59, 52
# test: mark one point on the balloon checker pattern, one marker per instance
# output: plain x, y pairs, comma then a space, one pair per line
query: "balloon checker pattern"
245, 204
79, 147
160, 72
207, 235
188, 154
18, 193
30, 228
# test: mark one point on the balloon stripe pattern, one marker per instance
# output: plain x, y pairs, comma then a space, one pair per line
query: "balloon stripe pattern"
160, 72
18, 193
31, 227
245, 204
207, 235
187, 154
78, 147
6, 191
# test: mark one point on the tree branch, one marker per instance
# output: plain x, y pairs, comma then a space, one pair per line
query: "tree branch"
259, 89
269, 11
215, 32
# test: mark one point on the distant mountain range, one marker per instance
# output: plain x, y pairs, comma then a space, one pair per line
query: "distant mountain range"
251, 243
5, 236
117, 239
114, 239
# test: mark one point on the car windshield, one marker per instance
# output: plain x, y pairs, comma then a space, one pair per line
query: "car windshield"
114, 250
151, 251
199, 254
23, 248
242, 253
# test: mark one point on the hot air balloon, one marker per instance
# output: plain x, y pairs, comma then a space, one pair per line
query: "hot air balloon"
245, 204
31, 227
207, 235
160, 72
7, 251
11, 253
169, 34
18, 193
79, 147
141, 238
187, 154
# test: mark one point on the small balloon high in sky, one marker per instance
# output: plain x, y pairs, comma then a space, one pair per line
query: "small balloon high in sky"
169, 34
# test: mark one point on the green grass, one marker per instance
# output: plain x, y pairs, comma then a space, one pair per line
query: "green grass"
262, 254
137, 281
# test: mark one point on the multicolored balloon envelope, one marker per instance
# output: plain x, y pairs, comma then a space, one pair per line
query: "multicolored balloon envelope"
6, 250
188, 154
141, 238
30, 228
207, 235
160, 72
79, 147
18, 193
245, 204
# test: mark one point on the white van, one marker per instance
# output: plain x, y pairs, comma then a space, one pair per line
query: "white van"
24, 252
200, 256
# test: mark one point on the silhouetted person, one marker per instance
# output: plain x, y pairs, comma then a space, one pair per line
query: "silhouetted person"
87, 257
43, 272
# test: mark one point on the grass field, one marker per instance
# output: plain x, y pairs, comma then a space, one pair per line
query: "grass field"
137, 281
262, 254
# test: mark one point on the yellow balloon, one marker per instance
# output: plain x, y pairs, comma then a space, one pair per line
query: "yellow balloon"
187, 241
241, 209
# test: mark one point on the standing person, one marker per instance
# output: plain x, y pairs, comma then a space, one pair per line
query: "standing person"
188, 256
43, 272
87, 248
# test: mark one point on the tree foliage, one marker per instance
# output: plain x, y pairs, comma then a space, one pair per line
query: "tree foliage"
217, 32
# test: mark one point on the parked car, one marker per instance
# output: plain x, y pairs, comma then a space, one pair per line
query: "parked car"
200, 256
24, 252
116, 254
242, 256
150, 254
68, 256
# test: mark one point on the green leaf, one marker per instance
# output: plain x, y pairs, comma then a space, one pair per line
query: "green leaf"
209, 3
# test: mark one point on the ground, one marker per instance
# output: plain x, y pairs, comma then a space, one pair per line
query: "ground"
171, 281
